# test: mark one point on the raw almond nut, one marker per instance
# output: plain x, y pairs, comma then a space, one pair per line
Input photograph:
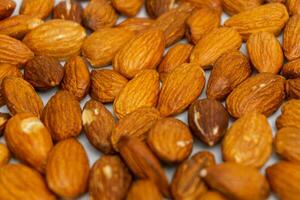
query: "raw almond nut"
201, 22
265, 52
233, 7
4, 117
171, 140
7, 7
15, 177
110, 179
136, 24
284, 178
141, 91
143, 163
101, 46
18, 26
20, 96
13, 51
77, 77
29, 140
230, 70
67, 169
275, 1
181, 87
43, 72
144, 190
293, 6
212, 195
4, 155
268, 18
106, 85
208, 120
187, 183
128, 7
213, 45
68, 10
290, 115
291, 69
262, 93
237, 181
99, 14
98, 125
291, 38
248, 141
176, 56
142, 52
37, 8
137, 124
212, 4
155, 8
292, 88
62, 116
56, 38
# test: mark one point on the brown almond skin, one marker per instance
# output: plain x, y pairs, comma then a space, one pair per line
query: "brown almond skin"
293, 6
98, 125
212, 195
106, 85
143, 163
292, 88
144, 190
14, 177
109, 179
7, 7
62, 116
141, 91
181, 87
208, 120
236, 181
176, 56
171, 140
142, 52
101, 46
212, 4
262, 93
29, 140
68, 10
67, 169
4, 117
213, 45
233, 7
129, 8
155, 8
265, 45
77, 77
290, 114
43, 72
136, 124
248, 141
291, 38
136, 24
187, 183
20, 96
37, 8
4, 155
230, 70
291, 69
99, 14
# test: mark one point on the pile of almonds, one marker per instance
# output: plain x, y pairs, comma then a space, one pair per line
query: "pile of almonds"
148, 89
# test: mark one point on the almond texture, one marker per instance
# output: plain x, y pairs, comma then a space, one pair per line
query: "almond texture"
37, 8
290, 115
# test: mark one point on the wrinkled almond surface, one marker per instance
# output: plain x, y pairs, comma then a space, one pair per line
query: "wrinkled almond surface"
291, 69
290, 115
129, 8
291, 38
37, 8
7, 7
233, 7
144, 190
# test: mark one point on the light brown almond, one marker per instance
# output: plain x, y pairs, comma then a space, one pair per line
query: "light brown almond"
290, 115
129, 8
212, 4
37, 8
233, 7
136, 24
144, 190
293, 6
4, 155
4, 117
292, 88
155, 8
291, 38
212, 195
291, 69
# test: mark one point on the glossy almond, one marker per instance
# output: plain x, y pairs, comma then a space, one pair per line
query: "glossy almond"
101, 46
136, 24
233, 7
56, 38
4, 155
212, 4
20, 96
144, 190
291, 38
291, 69
155, 8
265, 52
142, 52
7, 7
128, 7
268, 17
29, 140
37, 8
292, 88
290, 115
213, 45
293, 6
141, 91
77, 77
181, 87
68, 10
262, 93
62, 116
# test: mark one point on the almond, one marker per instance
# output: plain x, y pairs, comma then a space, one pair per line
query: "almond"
14, 183
142, 52
101, 46
141, 91
98, 125
143, 163
110, 179
144, 190
29, 140
233, 7
106, 85
213, 45
181, 87
236, 181
136, 24
62, 116
292, 88
4, 117
155, 8
37, 8
291, 69
293, 6
291, 38
290, 115
137, 124
129, 8
265, 52
56, 38
20, 96
4, 155
262, 93
212, 4
268, 18
275, 1
68, 10
212, 195
7, 7
77, 77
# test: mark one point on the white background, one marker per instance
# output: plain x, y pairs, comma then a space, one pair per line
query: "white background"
198, 146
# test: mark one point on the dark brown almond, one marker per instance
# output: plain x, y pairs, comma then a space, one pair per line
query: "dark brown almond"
292, 88
68, 10
7, 7
291, 69
155, 8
